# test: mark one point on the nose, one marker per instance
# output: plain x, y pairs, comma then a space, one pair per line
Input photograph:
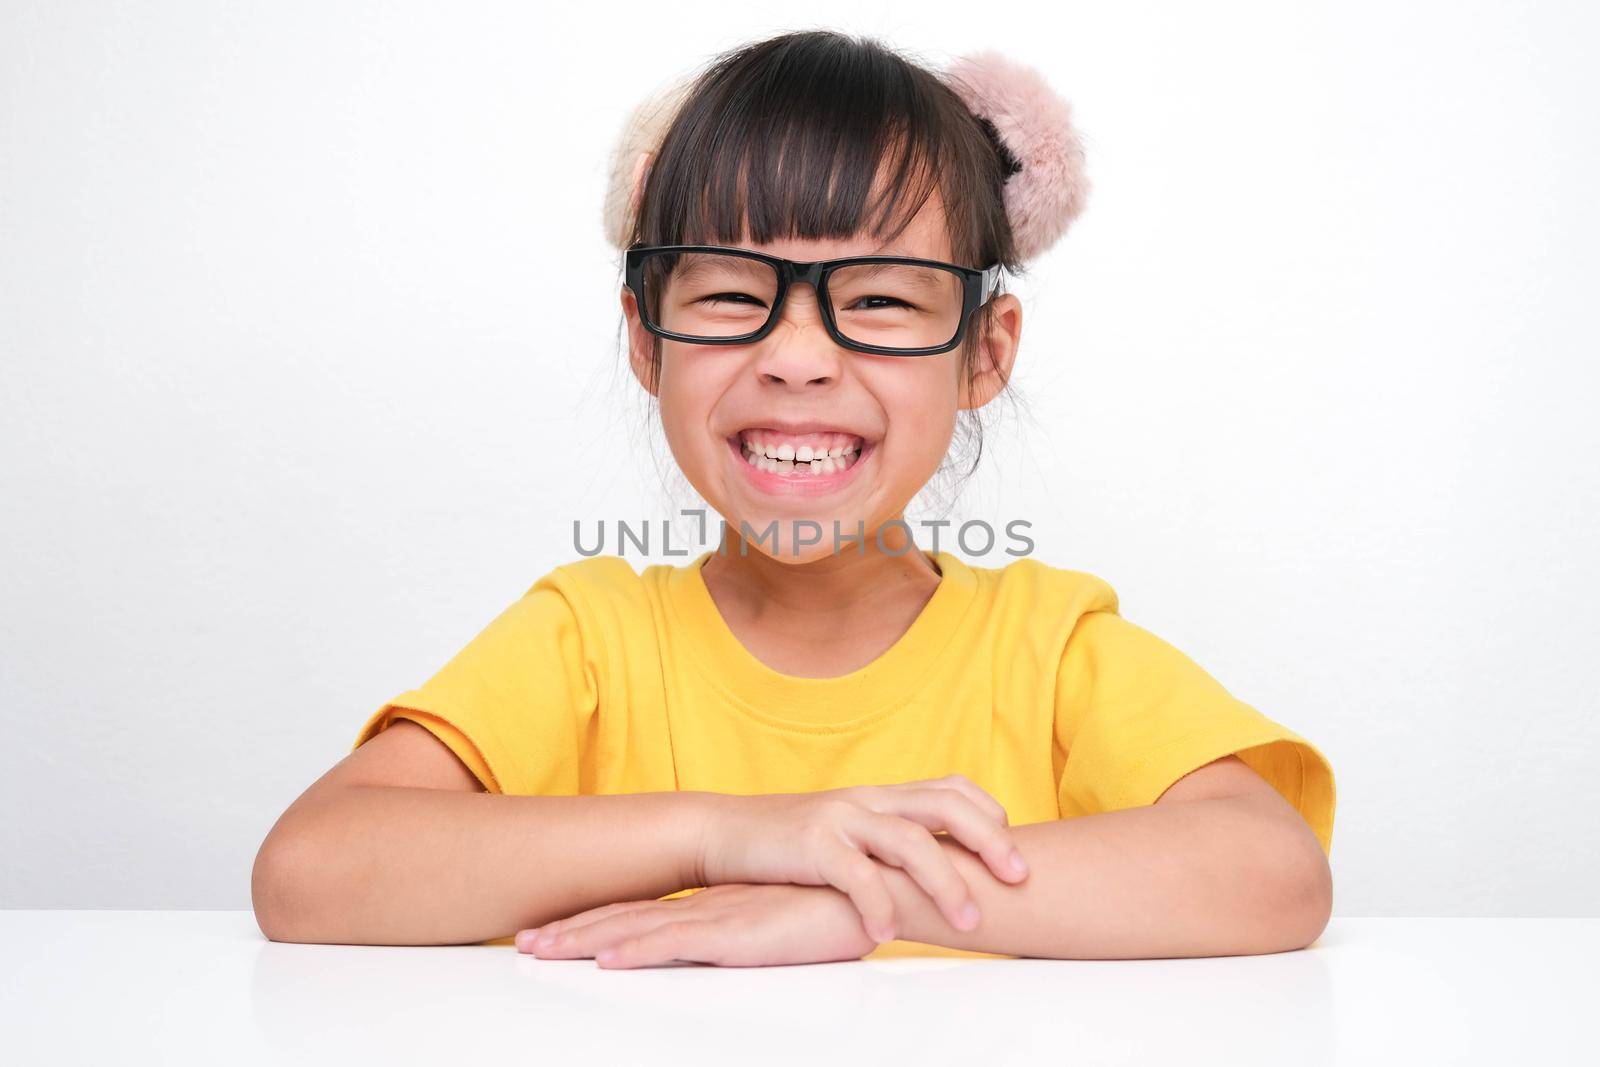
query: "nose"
799, 351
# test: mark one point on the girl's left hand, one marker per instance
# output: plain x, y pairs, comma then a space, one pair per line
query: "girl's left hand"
731, 925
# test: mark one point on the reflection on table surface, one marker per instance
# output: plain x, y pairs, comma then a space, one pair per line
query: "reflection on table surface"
154, 986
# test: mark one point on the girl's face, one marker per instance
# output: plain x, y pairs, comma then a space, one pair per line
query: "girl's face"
892, 416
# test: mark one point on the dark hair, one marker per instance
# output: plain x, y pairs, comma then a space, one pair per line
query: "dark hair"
789, 137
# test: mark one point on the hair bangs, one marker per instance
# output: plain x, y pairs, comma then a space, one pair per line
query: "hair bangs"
819, 139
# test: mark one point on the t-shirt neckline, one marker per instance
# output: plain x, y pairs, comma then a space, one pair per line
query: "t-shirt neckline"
826, 705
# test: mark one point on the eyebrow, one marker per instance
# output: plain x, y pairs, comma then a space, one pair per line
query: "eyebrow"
693, 264
918, 280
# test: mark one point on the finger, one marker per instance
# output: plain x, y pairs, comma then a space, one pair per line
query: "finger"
692, 941
950, 810
527, 939
882, 798
912, 848
975, 793
848, 870
585, 941
584, 920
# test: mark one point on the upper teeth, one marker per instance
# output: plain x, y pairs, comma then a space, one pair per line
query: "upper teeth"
827, 454
803, 454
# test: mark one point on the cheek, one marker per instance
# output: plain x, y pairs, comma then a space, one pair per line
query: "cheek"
688, 389
921, 406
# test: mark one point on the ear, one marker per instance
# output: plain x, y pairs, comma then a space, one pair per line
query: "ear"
997, 353
639, 342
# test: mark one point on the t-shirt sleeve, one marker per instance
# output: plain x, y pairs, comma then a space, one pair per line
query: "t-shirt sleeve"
1134, 715
516, 703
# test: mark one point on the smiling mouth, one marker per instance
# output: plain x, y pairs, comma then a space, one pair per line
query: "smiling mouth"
799, 456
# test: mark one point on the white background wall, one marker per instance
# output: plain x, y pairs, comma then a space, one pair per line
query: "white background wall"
310, 357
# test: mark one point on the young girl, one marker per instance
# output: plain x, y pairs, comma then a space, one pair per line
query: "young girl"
818, 737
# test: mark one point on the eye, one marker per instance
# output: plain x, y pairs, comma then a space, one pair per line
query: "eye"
891, 302
731, 298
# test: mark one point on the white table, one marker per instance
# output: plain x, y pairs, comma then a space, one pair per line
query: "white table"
205, 987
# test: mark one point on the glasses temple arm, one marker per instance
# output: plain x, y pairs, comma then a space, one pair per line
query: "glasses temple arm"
991, 278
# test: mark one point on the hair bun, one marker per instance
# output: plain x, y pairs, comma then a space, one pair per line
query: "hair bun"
1034, 124
635, 150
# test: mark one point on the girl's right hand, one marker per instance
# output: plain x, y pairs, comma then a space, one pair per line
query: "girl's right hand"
827, 838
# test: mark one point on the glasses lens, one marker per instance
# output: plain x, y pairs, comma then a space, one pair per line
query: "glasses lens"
708, 294
896, 305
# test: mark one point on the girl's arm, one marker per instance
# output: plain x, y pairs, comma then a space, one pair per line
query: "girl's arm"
1220, 865
398, 844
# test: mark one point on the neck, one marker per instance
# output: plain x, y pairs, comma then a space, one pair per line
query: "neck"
828, 589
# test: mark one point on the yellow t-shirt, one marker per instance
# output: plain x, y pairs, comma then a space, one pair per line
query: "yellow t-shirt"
601, 679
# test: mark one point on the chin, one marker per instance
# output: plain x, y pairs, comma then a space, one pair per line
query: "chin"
782, 545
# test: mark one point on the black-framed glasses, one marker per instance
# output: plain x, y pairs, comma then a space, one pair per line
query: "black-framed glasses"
887, 305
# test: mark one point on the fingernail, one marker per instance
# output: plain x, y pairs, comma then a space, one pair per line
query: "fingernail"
885, 934
606, 955
1017, 862
526, 938
969, 915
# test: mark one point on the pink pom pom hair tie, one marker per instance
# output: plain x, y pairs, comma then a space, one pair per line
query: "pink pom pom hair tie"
642, 134
1030, 124
1034, 126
